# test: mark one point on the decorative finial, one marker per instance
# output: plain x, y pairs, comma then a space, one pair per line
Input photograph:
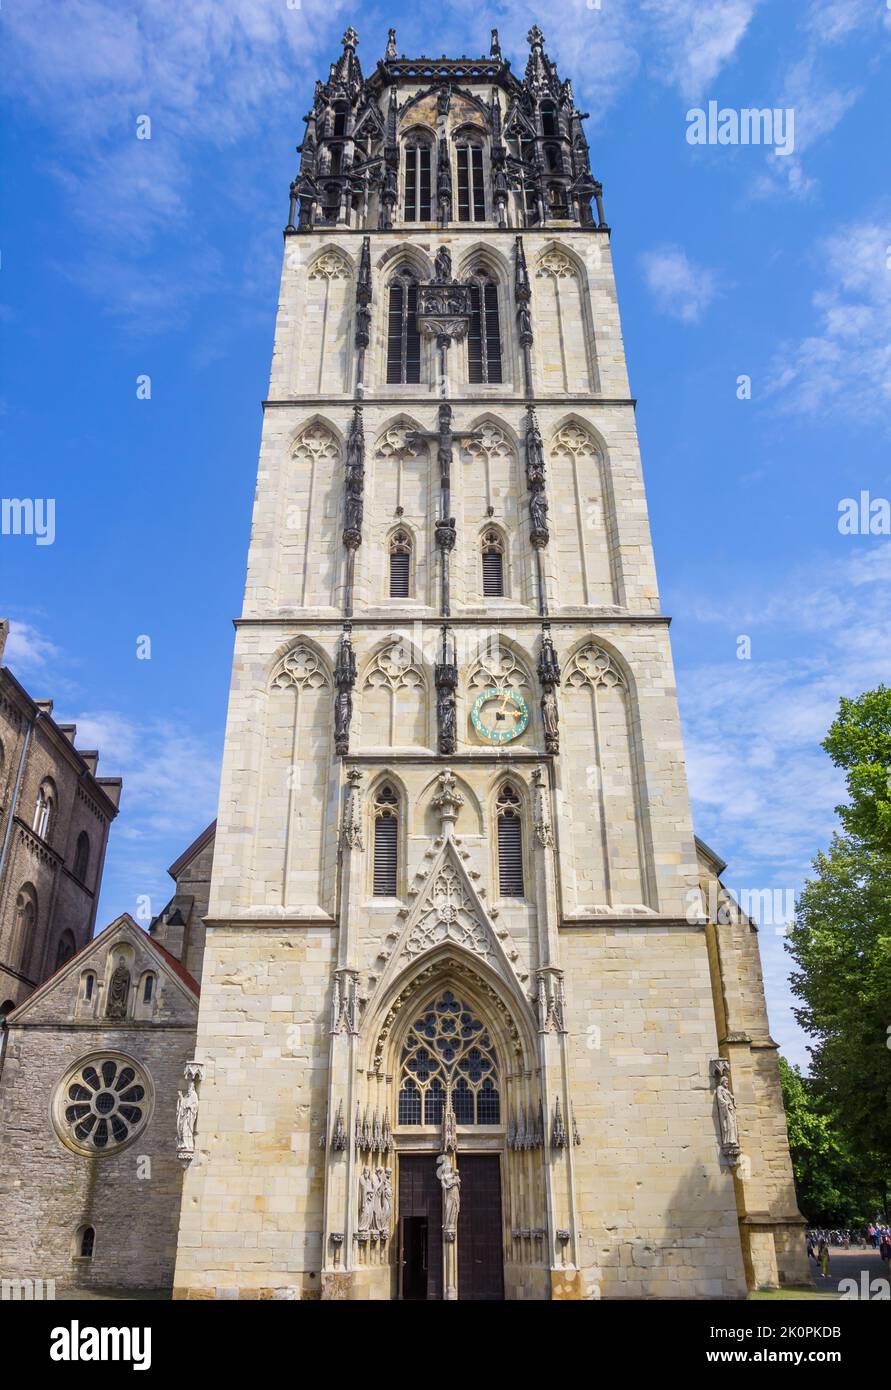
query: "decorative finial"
535, 37
495, 50
350, 38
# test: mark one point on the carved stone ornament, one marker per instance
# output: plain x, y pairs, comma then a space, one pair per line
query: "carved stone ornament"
558, 1131
187, 1112
351, 828
118, 992
726, 1106
451, 1194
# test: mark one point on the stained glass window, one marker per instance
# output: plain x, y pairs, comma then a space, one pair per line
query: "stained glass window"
447, 1045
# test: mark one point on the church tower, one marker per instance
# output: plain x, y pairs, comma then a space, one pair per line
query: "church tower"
466, 1028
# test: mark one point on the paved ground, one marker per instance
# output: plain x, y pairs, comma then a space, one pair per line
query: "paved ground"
864, 1266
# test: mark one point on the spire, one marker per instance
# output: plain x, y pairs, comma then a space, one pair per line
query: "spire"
541, 75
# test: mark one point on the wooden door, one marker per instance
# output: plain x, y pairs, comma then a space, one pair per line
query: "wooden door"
480, 1237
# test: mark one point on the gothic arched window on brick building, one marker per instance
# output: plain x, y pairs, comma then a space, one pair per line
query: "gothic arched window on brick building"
45, 809
403, 334
386, 843
418, 155
484, 336
82, 856
510, 844
447, 1047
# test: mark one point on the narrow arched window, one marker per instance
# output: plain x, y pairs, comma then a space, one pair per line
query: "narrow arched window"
26, 915
484, 337
493, 565
400, 564
418, 181
82, 856
45, 809
331, 202
340, 119
471, 190
87, 1243
386, 843
65, 949
403, 334
510, 844
148, 989
549, 125
554, 157
89, 982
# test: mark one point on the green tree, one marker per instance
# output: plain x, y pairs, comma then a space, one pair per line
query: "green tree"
841, 943
859, 740
834, 1186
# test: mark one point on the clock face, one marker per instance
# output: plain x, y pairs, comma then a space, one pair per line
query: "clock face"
499, 715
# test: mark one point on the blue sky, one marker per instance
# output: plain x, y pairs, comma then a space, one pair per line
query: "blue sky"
123, 257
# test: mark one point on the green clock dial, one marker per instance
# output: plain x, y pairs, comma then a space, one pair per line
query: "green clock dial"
499, 715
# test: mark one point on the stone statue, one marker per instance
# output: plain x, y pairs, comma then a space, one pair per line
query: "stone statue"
442, 265
353, 508
186, 1115
391, 43
727, 1114
538, 508
366, 1200
445, 710
451, 1194
550, 717
343, 713
382, 1201
118, 992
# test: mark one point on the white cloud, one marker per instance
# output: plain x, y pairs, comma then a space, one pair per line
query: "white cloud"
846, 361
681, 289
694, 42
28, 651
763, 791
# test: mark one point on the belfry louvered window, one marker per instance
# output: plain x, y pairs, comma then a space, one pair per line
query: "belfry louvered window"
400, 564
448, 1047
493, 565
471, 192
386, 843
484, 337
417, 182
403, 334
510, 844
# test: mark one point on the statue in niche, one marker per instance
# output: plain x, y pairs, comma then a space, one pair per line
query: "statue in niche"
186, 1115
343, 713
118, 991
727, 1114
450, 1181
442, 266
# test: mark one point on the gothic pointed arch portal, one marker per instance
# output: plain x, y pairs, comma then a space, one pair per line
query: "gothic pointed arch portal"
449, 1083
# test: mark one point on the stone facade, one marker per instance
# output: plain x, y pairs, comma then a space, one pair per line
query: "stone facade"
55, 815
86, 1208
441, 389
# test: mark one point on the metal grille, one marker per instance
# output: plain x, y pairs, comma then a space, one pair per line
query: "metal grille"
400, 565
403, 334
493, 573
510, 855
484, 337
386, 829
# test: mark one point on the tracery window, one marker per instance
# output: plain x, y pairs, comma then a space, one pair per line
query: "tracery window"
403, 334
418, 182
484, 336
102, 1104
471, 190
400, 564
448, 1046
386, 843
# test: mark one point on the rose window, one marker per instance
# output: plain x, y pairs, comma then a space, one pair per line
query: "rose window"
447, 1046
102, 1104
